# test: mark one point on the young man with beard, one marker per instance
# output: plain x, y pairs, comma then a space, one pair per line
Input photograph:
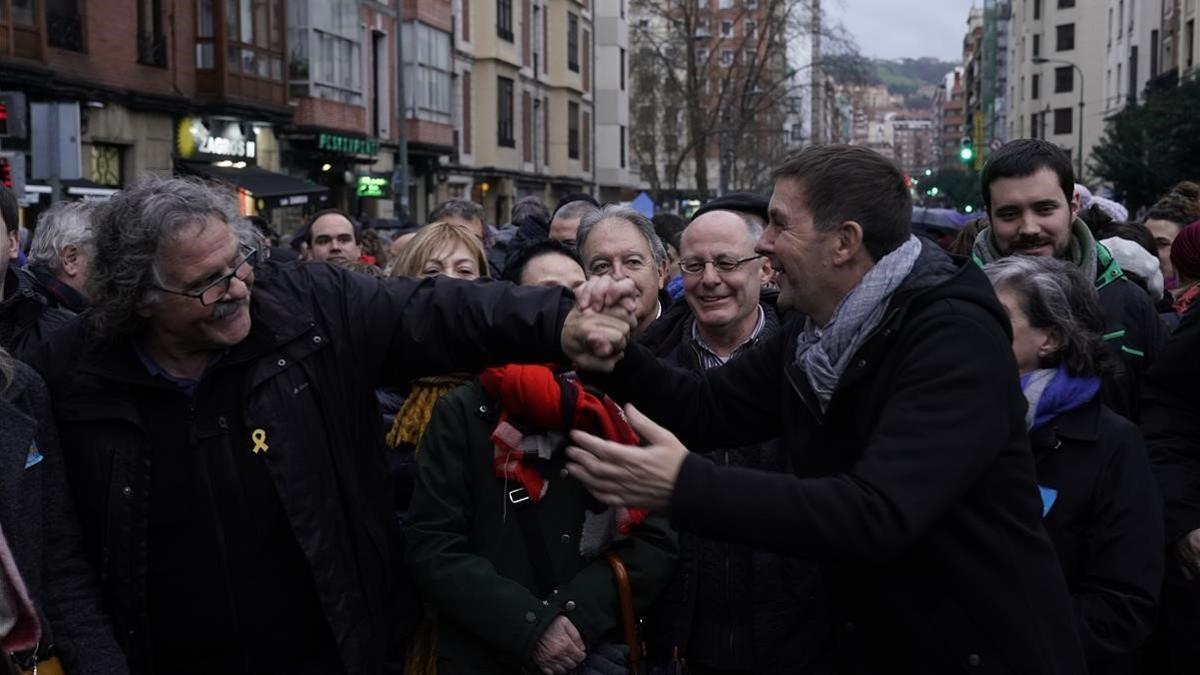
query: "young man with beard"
1029, 193
895, 391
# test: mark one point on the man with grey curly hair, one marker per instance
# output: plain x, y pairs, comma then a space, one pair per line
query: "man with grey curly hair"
60, 253
219, 425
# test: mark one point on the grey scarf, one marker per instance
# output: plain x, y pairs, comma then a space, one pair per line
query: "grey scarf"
1081, 250
823, 352
1035, 386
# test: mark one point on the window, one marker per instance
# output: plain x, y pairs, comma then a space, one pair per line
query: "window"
1066, 4
1132, 92
152, 43
621, 66
622, 147
1153, 54
1062, 120
1037, 46
751, 4
572, 130
466, 112
1035, 129
465, 19
726, 4
526, 127
702, 28
726, 29
1065, 37
701, 56
504, 20
253, 35
64, 25
105, 166
504, 113
206, 51
1035, 87
726, 58
622, 9
1064, 79
429, 75
586, 132
1189, 42
1037, 9
573, 42
336, 73
751, 30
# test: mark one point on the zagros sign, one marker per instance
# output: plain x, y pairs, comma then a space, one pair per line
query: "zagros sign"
200, 139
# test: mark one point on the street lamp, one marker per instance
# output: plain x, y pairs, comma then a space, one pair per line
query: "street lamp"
1039, 60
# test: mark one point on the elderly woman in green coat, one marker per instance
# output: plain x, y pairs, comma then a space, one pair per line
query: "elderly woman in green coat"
509, 552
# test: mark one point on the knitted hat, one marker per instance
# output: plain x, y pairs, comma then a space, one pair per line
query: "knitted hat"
1185, 252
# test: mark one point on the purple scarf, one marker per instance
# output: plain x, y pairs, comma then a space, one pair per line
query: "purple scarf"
1051, 393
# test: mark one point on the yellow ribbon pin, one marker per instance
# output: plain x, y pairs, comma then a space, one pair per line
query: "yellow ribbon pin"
260, 441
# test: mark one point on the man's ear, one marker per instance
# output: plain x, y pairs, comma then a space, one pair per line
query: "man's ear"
847, 241
69, 260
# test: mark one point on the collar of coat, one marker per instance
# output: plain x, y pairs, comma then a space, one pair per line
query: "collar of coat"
1081, 424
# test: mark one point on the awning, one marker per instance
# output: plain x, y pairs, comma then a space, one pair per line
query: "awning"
87, 190
273, 189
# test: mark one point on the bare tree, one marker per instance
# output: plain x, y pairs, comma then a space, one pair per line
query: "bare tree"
717, 85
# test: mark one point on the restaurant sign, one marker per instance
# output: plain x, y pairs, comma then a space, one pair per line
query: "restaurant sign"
214, 140
347, 145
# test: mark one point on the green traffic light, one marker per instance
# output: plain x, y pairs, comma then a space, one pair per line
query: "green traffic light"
966, 154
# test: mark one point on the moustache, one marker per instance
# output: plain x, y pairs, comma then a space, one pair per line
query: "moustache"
224, 309
1031, 242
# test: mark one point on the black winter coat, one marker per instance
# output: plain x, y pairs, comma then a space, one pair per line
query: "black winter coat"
1106, 524
729, 605
27, 316
40, 524
322, 340
917, 484
1171, 424
1136, 334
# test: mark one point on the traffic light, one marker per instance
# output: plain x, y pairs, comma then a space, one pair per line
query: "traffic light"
967, 152
6, 173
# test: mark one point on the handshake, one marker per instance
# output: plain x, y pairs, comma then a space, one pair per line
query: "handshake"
597, 330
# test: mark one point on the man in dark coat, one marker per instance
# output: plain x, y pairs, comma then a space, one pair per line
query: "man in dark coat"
26, 315
222, 440
1029, 192
898, 398
1171, 423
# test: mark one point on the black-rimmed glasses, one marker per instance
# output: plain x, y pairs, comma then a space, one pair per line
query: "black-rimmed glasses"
722, 263
213, 292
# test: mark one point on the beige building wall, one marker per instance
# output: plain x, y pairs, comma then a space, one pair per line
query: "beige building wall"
1025, 112
1189, 37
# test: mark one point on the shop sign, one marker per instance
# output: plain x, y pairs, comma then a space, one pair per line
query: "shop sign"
347, 145
199, 139
374, 187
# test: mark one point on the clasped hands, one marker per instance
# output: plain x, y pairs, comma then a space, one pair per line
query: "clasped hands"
598, 328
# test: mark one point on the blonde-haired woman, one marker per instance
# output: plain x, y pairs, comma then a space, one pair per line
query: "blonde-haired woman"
442, 249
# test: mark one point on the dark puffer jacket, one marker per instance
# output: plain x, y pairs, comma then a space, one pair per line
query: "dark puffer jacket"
730, 606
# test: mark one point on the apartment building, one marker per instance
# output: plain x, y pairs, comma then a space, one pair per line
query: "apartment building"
1057, 53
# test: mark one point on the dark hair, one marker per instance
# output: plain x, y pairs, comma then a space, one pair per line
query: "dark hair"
521, 259
571, 198
1096, 219
305, 234
1025, 157
669, 226
1180, 206
532, 211
1135, 232
1056, 296
8, 209
462, 208
964, 242
847, 182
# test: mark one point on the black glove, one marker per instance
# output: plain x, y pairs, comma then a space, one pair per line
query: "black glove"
606, 659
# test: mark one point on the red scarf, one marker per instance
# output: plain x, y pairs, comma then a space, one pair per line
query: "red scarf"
537, 398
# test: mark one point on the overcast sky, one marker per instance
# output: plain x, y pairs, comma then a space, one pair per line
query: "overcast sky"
892, 29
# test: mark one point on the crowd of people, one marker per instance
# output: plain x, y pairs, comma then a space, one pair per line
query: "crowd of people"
783, 435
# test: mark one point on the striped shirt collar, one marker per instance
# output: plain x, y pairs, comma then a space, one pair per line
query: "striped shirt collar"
709, 357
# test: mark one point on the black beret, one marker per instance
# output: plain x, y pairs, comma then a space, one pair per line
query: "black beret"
741, 202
